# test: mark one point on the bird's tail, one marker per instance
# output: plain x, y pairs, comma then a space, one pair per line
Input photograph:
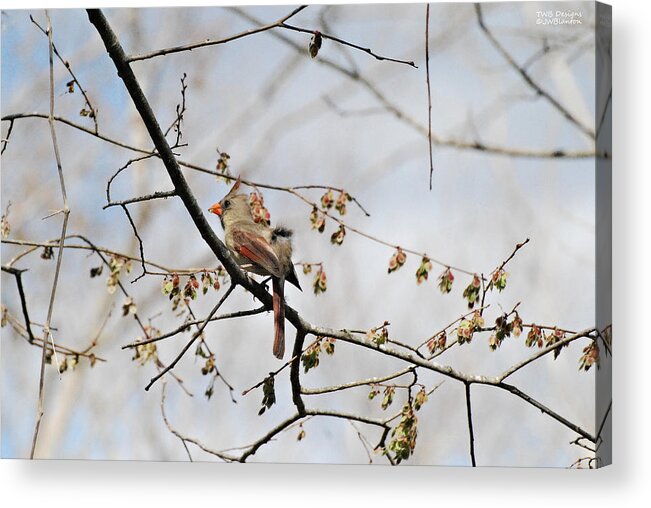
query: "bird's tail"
279, 317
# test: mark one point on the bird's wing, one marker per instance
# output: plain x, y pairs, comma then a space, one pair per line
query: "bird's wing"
256, 248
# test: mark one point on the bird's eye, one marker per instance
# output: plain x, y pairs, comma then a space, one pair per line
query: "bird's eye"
227, 203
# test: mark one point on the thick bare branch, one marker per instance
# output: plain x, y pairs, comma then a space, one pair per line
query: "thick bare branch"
295, 371
471, 433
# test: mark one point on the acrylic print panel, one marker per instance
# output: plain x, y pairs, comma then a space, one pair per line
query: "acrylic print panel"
444, 169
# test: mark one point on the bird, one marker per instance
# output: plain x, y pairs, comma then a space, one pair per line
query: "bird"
259, 249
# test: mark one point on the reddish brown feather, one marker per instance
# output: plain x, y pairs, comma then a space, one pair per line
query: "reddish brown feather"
258, 250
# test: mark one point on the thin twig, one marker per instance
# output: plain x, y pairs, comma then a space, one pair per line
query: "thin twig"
269, 436
188, 324
70, 123
603, 423
429, 99
345, 113
66, 213
515, 251
527, 398
379, 240
5, 140
93, 111
140, 199
209, 42
451, 324
140, 245
365, 443
328, 187
544, 351
288, 363
180, 111
191, 341
485, 287
346, 43
184, 439
114, 175
100, 330
281, 23
362, 382
578, 442
53, 244
19, 328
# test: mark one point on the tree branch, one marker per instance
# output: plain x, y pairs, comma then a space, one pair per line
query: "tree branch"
188, 324
140, 245
346, 43
429, 99
363, 382
140, 199
208, 42
191, 341
268, 436
470, 430
57, 270
295, 371
70, 123
544, 351
23, 301
93, 111
5, 140
90, 246
546, 410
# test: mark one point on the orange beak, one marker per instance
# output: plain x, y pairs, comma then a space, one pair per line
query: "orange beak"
216, 209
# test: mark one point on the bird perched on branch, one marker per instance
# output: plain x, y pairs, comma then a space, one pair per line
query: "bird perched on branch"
259, 249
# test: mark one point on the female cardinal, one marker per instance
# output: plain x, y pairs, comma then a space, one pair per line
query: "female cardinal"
261, 250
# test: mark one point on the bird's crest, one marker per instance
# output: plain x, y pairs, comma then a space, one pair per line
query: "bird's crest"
235, 187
